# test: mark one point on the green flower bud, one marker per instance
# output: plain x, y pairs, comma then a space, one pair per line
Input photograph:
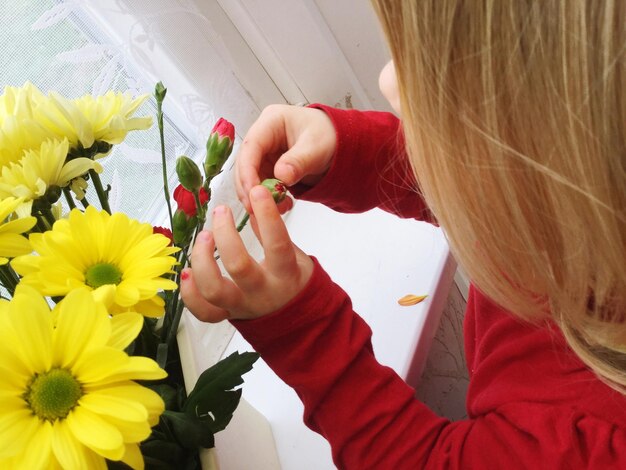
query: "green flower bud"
277, 188
160, 91
219, 145
188, 174
183, 228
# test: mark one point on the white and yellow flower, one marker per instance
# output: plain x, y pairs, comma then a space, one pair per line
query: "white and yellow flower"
68, 396
41, 169
88, 120
19, 130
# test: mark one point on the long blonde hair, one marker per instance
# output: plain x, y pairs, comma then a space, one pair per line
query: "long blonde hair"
515, 120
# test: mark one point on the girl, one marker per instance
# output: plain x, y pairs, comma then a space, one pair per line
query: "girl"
513, 123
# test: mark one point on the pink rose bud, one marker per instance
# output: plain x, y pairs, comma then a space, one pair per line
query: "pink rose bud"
218, 147
277, 188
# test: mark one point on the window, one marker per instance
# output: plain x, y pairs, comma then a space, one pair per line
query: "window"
57, 46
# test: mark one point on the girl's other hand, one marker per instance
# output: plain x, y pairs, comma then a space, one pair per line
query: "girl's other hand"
254, 289
291, 143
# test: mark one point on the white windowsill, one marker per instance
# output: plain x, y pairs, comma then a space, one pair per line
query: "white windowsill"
377, 258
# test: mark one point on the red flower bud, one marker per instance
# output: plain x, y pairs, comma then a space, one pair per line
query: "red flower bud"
219, 145
224, 129
186, 202
276, 187
164, 231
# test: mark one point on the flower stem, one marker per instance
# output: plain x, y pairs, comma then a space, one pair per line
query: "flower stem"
8, 278
160, 96
172, 303
69, 198
200, 212
103, 197
41, 224
243, 222
84, 202
48, 215
176, 321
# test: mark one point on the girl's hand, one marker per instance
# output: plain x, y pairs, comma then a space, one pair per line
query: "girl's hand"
254, 289
291, 143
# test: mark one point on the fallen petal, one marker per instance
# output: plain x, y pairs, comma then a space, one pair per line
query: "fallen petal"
411, 299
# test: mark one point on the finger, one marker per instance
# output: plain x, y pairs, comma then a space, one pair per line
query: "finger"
241, 267
210, 282
196, 303
272, 233
285, 205
294, 164
310, 151
261, 141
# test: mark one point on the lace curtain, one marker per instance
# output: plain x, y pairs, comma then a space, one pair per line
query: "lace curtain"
56, 45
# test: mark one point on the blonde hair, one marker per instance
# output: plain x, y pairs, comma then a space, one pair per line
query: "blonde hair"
514, 116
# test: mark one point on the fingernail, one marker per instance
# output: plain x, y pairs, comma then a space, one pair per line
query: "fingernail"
219, 210
184, 275
259, 193
204, 236
291, 172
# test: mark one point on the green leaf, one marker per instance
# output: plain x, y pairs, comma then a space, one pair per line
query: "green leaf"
168, 394
187, 430
161, 454
213, 398
161, 355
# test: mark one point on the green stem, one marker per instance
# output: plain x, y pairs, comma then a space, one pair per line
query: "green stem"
84, 202
6, 283
68, 197
12, 272
166, 191
41, 224
174, 328
49, 216
103, 197
243, 222
172, 303
7, 276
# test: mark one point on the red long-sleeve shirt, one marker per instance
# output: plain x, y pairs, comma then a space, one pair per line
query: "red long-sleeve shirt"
532, 404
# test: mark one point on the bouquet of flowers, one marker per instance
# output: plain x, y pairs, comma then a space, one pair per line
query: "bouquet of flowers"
90, 375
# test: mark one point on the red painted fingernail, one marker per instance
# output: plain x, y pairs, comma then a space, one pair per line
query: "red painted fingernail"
184, 275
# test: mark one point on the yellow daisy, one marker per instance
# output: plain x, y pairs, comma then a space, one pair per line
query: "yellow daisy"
12, 242
88, 120
43, 172
66, 385
19, 129
120, 259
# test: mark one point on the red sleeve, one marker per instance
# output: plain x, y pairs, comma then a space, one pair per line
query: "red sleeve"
319, 346
370, 167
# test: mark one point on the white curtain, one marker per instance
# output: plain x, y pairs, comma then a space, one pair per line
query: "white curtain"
68, 46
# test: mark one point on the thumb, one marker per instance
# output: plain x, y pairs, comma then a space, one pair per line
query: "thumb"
300, 163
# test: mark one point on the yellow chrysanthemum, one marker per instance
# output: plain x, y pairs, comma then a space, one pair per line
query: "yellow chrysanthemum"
12, 242
66, 385
41, 170
120, 259
87, 120
19, 129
